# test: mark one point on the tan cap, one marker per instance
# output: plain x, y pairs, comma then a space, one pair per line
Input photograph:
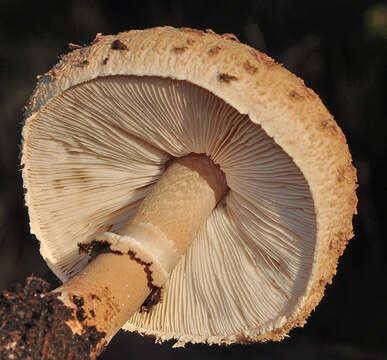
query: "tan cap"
104, 122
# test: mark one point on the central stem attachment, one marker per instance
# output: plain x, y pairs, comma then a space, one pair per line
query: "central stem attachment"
115, 284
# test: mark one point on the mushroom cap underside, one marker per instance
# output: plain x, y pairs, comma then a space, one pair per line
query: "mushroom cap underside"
100, 129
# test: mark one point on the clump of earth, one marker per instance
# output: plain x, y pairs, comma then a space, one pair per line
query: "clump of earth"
33, 326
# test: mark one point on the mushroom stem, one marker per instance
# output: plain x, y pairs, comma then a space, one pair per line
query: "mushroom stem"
114, 285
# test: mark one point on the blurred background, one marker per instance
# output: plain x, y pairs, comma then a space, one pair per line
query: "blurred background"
338, 47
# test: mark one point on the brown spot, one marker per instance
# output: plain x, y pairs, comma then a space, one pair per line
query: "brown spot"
214, 50
192, 31
230, 37
92, 313
105, 60
227, 78
294, 95
81, 175
74, 46
58, 184
95, 297
119, 45
250, 68
190, 41
179, 50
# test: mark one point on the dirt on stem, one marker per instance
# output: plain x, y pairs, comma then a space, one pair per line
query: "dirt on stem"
33, 326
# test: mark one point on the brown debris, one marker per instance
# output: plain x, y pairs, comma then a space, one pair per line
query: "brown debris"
227, 78
153, 299
79, 302
33, 325
119, 45
295, 95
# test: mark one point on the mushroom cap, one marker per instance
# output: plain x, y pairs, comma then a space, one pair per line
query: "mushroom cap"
261, 262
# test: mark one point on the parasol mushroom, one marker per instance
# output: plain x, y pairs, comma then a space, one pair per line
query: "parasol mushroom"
248, 184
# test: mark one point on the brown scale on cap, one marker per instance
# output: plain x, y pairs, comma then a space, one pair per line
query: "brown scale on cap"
118, 45
250, 68
227, 78
179, 49
215, 50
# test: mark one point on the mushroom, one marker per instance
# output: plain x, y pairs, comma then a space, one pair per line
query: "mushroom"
185, 186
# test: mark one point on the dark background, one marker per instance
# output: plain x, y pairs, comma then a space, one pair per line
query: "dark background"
338, 47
